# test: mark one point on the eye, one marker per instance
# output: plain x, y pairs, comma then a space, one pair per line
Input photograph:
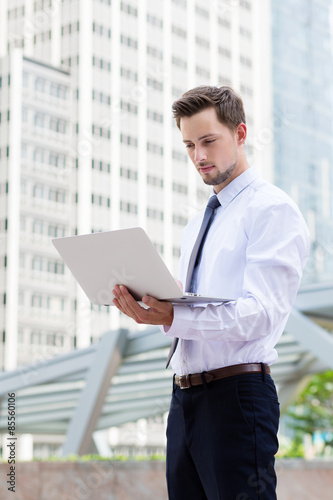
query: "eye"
189, 146
208, 142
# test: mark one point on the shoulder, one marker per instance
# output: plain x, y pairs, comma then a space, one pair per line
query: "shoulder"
264, 194
265, 198
272, 211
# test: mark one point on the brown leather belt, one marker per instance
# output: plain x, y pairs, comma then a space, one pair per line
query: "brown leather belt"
187, 381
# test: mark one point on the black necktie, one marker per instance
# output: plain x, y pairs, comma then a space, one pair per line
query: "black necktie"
213, 203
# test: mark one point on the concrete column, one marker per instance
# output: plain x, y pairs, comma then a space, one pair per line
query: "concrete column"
84, 152
13, 232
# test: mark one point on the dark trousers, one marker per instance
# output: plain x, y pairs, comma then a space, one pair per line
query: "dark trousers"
222, 438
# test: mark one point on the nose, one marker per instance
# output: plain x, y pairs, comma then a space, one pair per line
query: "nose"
199, 154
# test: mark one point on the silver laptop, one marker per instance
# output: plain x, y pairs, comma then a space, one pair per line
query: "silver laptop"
99, 261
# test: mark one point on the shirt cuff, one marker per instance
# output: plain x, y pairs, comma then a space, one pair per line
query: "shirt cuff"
181, 318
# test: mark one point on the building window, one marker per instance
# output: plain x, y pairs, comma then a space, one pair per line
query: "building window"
36, 338
155, 148
127, 106
53, 159
177, 30
39, 84
38, 191
180, 63
178, 155
25, 79
39, 120
179, 220
39, 155
129, 9
24, 115
130, 208
224, 22
155, 84
200, 71
129, 74
155, 116
181, 3
202, 12
37, 263
129, 173
55, 267
152, 180
38, 227
245, 4
62, 126
153, 213
202, 42
21, 260
246, 61
224, 52
154, 52
155, 21
245, 32
128, 41
179, 188
22, 223
127, 139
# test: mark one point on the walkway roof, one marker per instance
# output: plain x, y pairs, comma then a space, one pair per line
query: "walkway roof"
122, 377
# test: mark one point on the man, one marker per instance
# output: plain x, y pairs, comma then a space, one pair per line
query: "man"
223, 420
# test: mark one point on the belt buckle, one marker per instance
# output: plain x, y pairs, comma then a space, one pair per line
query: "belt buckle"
184, 379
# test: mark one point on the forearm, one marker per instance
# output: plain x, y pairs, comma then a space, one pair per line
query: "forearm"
257, 314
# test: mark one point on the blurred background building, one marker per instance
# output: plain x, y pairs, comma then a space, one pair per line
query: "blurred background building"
88, 143
302, 48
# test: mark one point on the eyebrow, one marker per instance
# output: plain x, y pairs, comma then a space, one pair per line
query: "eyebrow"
203, 137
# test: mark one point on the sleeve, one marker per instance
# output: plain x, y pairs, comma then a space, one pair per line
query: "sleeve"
276, 253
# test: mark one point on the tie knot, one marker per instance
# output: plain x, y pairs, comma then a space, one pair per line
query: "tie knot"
213, 202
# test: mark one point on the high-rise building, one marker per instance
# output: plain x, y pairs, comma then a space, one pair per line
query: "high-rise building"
303, 108
88, 142
35, 206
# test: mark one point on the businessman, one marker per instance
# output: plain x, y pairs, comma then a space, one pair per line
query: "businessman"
250, 245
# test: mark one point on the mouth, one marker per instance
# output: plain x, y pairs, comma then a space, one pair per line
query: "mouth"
206, 169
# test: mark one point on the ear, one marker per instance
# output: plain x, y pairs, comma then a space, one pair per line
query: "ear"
241, 133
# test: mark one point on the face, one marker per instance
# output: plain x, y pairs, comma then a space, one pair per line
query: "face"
214, 149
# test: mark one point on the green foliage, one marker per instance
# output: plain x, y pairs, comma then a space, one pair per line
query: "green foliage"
313, 409
294, 450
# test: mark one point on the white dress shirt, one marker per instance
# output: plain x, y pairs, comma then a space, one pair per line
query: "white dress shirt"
254, 253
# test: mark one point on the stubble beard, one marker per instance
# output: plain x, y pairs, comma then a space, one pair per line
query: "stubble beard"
221, 177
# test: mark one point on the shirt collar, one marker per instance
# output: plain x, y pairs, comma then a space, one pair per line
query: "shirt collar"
227, 194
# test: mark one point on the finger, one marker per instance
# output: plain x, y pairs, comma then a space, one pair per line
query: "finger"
119, 301
153, 303
130, 305
118, 306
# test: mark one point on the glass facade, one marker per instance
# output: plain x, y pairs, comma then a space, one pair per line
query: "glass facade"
302, 40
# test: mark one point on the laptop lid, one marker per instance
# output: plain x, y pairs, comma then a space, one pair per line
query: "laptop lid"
99, 261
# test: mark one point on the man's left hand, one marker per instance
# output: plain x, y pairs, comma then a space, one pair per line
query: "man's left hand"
159, 313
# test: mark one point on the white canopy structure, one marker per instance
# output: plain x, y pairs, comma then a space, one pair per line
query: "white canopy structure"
122, 378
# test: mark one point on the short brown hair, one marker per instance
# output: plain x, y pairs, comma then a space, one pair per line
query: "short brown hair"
229, 105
